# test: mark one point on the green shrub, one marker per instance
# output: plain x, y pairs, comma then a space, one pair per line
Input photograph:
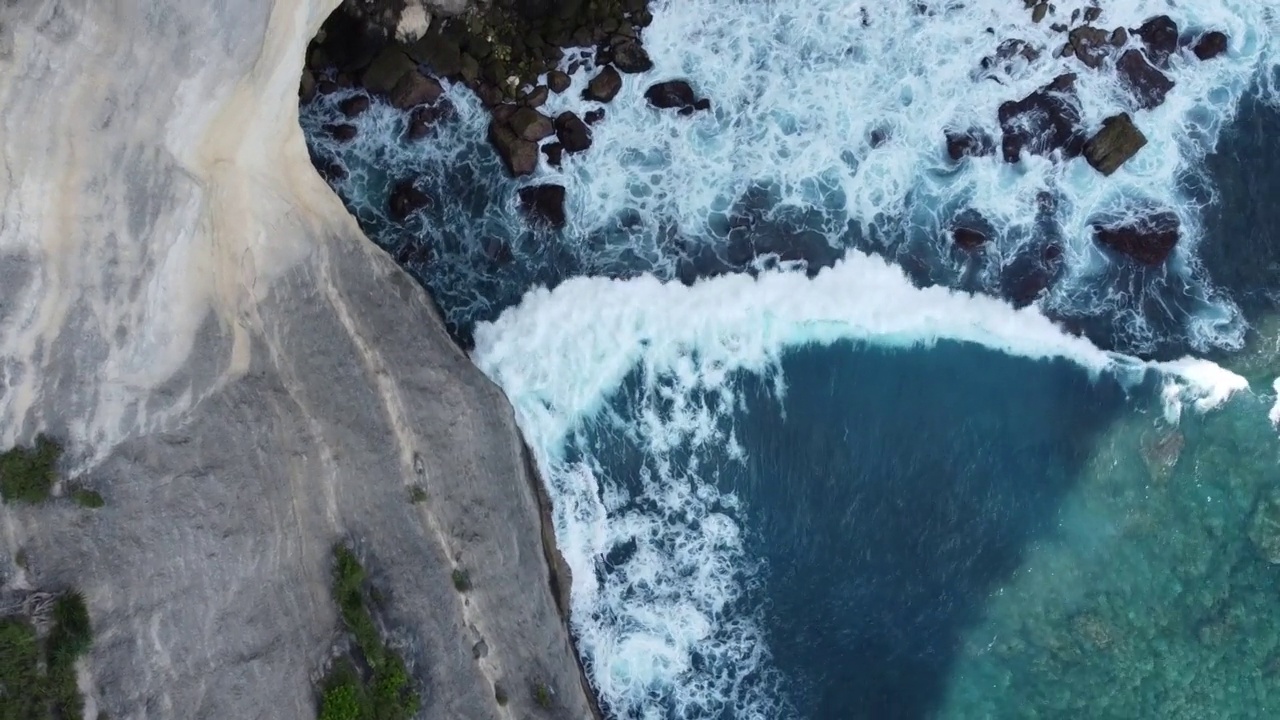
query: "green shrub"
461, 580
542, 695
417, 494
387, 692
20, 681
86, 498
27, 474
25, 692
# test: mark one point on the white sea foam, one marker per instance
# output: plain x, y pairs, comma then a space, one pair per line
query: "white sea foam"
560, 355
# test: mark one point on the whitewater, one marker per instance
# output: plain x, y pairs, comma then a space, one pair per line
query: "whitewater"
671, 282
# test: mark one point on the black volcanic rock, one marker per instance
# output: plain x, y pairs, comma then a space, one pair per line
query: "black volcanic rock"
1210, 45
670, 94
1145, 83
572, 132
604, 86
1160, 36
1148, 240
1045, 121
973, 143
543, 204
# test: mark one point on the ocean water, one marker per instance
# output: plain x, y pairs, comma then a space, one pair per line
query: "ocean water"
805, 460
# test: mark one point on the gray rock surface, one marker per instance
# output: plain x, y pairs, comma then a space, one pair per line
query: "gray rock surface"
245, 379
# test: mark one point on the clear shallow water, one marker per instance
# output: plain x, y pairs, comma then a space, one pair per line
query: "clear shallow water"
855, 493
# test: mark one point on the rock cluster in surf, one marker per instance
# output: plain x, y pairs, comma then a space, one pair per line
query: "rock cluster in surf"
509, 54
1048, 122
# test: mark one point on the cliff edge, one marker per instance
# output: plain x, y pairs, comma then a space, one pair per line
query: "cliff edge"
246, 380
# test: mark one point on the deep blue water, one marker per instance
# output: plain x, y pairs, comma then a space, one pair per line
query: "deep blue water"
900, 490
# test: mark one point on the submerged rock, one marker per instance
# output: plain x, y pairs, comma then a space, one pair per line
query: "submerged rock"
968, 238
1264, 531
1210, 45
604, 86
1148, 240
405, 199
1160, 452
543, 204
593, 116
342, 132
572, 132
1145, 83
973, 143
354, 106
1117, 141
1045, 121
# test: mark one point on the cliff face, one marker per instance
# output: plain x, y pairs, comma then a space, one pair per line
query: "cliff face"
244, 378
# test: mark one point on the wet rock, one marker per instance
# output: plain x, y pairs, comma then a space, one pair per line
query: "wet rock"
702, 104
503, 112
670, 94
490, 95
1119, 36
386, 70
529, 124
593, 116
1210, 45
968, 238
1038, 13
1160, 36
424, 118
327, 87
537, 97
405, 199
307, 87
558, 81
1148, 240
1045, 121
572, 132
332, 171
630, 57
468, 68
974, 143
1031, 274
604, 86
1147, 85
342, 132
438, 51
1007, 53
414, 88
1264, 530
354, 105
554, 152
1117, 141
1092, 13
877, 137
520, 156
543, 204
1090, 44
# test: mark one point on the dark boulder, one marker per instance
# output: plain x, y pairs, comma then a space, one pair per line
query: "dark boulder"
424, 118
702, 104
520, 156
1091, 13
1031, 274
1090, 44
332, 170
1046, 121
605, 86
1145, 83
543, 204
1210, 45
530, 124
537, 97
386, 70
630, 57
558, 81
1148, 240
1117, 141
414, 88
307, 87
342, 132
554, 152
354, 105
968, 238
975, 143
439, 51
405, 199
593, 116
572, 132
327, 87
670, 94
1160, 36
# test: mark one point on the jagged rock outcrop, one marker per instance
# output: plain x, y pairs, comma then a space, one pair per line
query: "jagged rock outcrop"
246, 380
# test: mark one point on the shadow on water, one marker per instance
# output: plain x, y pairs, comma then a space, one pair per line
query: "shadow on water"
902, 489
887, 497
1242, 251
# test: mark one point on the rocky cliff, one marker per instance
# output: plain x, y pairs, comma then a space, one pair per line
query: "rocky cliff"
245, 380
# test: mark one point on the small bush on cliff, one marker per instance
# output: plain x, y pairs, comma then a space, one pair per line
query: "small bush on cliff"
26, 692
27, 474
384, 692
87, 498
